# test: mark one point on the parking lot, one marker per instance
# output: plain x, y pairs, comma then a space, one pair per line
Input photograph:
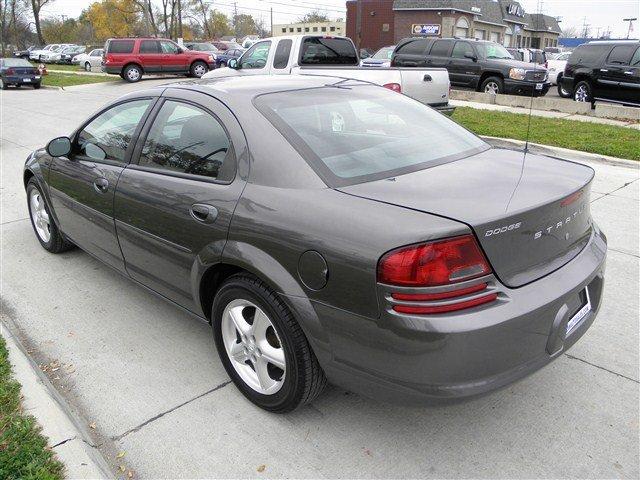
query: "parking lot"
147, 374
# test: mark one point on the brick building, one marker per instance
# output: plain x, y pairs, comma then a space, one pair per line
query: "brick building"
376, 23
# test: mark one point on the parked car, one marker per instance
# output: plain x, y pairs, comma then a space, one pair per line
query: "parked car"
36, 54
53, 55
556, 70
369, 255
68, 53
529, 55
382, 58
18, 72
224, 45
365, 53
482, 65
337, 56
223, 57
202, 47
89, 60
604, 70
132, 57
25, 53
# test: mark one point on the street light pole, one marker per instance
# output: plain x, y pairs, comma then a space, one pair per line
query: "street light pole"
630, 20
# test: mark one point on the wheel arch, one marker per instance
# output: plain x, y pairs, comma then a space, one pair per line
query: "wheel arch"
486, 75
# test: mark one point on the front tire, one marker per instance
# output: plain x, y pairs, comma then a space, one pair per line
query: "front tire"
493, 85
43, 225
562, 92
262, 346
132, 73
198, 69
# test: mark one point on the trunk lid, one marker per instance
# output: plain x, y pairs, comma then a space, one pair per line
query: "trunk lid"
530, 216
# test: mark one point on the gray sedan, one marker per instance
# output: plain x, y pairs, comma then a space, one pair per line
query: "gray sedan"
330, 230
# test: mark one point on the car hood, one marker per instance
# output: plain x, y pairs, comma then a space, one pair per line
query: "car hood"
517, 64
223, 72
519, 206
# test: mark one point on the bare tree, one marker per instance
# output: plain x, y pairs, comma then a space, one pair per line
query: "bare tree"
36, 7
147, 12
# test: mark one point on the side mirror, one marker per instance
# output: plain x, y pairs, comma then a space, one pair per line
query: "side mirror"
471, 56
180, 50
233, 63
59, 147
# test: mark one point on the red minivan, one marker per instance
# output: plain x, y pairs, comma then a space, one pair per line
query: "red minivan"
131, 57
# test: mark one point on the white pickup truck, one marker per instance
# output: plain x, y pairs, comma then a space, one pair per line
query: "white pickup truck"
336, 56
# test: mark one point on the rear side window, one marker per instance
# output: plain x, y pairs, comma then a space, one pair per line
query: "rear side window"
461, 49
441, 48
635, 61
149, 46
283, 50
121, 46
415, 47
186, 139
327, 51
588, 53
621, 54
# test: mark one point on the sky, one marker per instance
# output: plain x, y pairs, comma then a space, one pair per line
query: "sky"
600, 15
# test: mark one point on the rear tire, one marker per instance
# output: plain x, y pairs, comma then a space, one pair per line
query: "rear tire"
87, 67
36, 86
493, 85
244, 298
223, 64
583, 92
42, 222
132, 73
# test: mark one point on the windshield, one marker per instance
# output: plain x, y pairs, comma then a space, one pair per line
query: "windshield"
204, 47
384, 53
16, 62
493, 50
356, 133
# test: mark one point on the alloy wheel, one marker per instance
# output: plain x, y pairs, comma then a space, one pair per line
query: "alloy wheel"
199, 70
253, 346
40, 216
582, 94
492, 87
133, 74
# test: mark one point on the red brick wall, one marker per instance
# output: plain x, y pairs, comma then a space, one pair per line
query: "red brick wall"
374, 14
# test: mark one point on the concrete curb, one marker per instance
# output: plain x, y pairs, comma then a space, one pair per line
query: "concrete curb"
67, 438
563, 153
50, 87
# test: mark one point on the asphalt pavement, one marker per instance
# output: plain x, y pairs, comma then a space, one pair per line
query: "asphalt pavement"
147, 377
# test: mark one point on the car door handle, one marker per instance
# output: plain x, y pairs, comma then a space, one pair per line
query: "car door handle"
629, 72
101, 185
604, 70
427, 78
203, 213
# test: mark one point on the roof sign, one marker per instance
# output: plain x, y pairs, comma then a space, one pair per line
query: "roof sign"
515, 9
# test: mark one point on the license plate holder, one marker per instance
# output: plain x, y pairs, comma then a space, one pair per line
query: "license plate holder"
539, 86
580, 315
26, 80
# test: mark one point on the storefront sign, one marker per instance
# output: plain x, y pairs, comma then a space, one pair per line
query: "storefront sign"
421, 29
515, 9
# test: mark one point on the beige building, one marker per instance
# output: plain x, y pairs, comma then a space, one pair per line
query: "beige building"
312, 28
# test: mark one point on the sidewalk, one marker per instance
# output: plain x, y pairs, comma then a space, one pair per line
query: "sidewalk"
544, 113
73, 447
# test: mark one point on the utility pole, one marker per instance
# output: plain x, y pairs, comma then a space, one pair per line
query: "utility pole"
585, 28
630, 20
271, 20
235, 19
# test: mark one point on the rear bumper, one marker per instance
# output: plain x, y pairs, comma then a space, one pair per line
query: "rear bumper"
517, 87
23, 80
115, 70
413, 359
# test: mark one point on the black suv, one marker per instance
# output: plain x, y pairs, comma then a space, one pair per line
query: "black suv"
482, 65
604, 71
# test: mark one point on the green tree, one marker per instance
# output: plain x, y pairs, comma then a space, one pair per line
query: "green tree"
314, 17
244, 24
219, 24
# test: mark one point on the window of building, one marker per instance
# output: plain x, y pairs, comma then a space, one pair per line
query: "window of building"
291, 30
324, 29
495, 37
186, 139
299, 29
315, 29
332, 29
306, 29
462, 28
508, 36
480, 34
284, 30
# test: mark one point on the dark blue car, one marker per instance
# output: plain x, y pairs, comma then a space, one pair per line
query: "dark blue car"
18, 71
224, 56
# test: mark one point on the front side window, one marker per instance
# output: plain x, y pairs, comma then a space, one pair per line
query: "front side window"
360, 133
168, 47
256, 56
107, 137
186, 139
493, 50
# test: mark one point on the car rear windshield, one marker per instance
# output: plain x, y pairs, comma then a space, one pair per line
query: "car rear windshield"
120, 46
327, 51
15, 62
352, 133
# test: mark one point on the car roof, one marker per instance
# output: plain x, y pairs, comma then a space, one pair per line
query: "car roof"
613, 42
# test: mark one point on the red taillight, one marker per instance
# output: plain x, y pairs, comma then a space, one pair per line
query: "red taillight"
426, 297
434, 263
451, 307
393, 86
571, 198
10, 71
